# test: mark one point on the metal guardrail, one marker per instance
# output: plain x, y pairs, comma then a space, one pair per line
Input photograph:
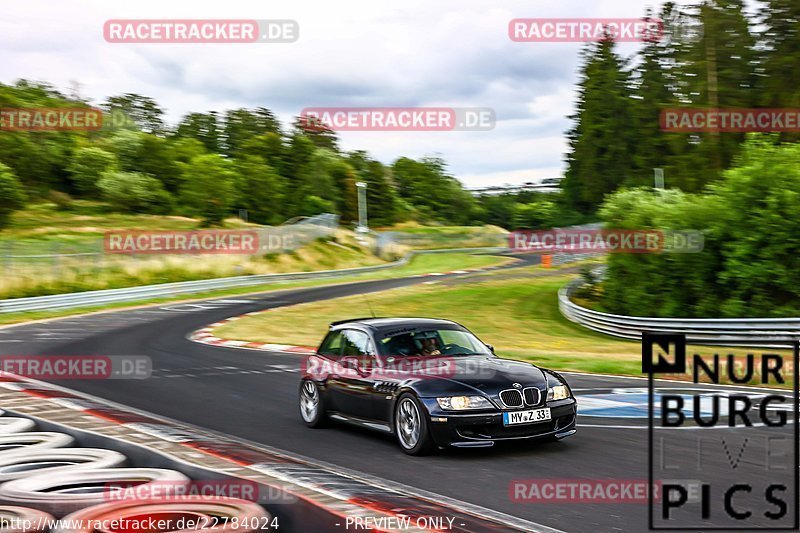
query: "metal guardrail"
711, 331
164, 290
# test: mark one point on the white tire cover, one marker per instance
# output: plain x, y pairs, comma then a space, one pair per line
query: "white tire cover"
236, 516
18, 515
66, 492
33, 440
39, 462
13, 424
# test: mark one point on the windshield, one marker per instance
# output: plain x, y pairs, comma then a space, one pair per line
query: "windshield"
432, 343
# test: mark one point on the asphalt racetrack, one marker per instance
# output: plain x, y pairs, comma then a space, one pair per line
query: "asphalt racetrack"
253, 395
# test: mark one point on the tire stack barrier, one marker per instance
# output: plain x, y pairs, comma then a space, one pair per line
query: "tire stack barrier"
11, 424
42, 478
56, 461
29, 441
68, 492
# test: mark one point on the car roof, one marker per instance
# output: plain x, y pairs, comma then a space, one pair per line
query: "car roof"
383, 323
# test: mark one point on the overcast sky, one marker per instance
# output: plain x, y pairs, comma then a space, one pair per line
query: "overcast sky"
372, 53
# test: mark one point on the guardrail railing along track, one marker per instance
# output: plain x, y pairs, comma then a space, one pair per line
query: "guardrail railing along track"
711, 331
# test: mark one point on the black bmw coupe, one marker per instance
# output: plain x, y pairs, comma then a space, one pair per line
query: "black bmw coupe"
431, 383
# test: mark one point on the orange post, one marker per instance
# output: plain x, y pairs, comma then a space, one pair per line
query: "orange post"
547, 261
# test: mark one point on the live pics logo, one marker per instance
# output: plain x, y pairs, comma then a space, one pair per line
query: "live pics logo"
725, 457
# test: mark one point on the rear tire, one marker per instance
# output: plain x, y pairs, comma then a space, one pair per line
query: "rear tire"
411, 426
312, 407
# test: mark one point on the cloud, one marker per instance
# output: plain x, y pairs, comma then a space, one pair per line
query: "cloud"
350, 53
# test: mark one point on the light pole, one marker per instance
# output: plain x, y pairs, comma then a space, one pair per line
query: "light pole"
658, 175
362, 227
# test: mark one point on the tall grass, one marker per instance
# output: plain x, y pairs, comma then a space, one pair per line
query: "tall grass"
115, 271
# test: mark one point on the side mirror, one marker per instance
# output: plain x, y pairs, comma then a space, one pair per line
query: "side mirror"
352, 363
349, 362
491, 348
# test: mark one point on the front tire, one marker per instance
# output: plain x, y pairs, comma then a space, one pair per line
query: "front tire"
312, 407
411, 426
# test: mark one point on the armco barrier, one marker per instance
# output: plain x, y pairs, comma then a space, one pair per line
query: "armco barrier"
164, 290
711, 331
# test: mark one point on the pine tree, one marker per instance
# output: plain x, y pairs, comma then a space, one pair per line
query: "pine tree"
599, 157
718, 72
780, 81
654, 87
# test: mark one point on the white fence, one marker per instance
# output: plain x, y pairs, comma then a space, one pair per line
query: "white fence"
712, 331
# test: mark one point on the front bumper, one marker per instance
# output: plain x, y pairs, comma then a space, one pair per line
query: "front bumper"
467, 430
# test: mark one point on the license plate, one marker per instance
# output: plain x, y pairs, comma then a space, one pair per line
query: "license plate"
526, 417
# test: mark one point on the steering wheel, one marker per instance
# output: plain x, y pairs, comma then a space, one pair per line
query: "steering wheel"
448, 349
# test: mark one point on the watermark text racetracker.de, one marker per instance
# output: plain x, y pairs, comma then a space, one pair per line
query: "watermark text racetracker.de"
77, 366
606, 240
182, 242
730, 120
200, 31
398, 118
394, 367
580, 491
185, 490
584, 30
50, 119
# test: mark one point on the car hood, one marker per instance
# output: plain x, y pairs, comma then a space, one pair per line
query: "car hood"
486, 374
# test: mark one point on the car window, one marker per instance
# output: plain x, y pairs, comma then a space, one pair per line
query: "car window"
356, 343
462, 339
332, 344
433, 342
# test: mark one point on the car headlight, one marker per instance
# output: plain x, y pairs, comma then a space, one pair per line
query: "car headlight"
559, 392
461, 403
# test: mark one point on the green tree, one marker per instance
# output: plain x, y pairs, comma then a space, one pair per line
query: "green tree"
319, 134
539, 214
157, 158
241, 125
260, 190
655, 86
88, 164
269, 146
599, 157
127, 146
718, 72
749, 265
298, 171
204, 127
11, 194
759, 231
135, 192
143, 111
209, 190
779, 82
432, 192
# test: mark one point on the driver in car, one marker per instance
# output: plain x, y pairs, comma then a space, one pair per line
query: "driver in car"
428, 343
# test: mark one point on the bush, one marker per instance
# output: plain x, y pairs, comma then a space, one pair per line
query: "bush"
314, 205
209, 188
135, 192
87, 167
62, 200
12, 196
749, 266
539, 214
